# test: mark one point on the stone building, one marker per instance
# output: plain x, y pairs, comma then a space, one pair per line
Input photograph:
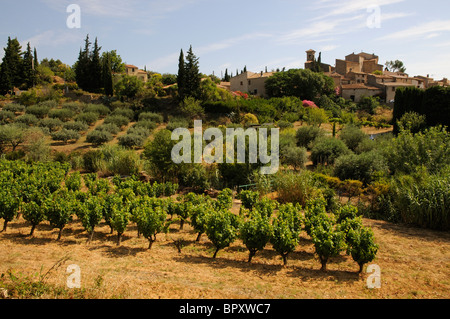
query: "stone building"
253, 83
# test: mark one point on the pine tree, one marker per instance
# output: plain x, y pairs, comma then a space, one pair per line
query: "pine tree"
11, 68
27, 68
193, 78
107, 76
181, 78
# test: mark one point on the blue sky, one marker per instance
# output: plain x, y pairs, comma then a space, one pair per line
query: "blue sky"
233, 34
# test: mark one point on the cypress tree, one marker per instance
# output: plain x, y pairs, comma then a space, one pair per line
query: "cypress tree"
11, 68
35, 57
193, 78
95, 70
82, 67
27, 67
107, 76
181, 78
227, 77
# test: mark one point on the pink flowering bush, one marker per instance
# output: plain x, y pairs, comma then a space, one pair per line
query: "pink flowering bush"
311, 104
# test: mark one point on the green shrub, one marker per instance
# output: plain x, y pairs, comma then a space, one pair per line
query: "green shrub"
151, 117
286, 232
132, 140
361, 246
34, 213
76, 126
308, 134
52, 124
150, 222
296, 187
9, 206
58, 210
7, 117
98, 138
73, 182
118, 120
222, 229
64, 115
249, 198
255, 232
121, 162
327, 150
177, 123
100, 109
195, 176
199, 218
284, 124
408, 152
38, 110
87, 117
66, 135
110, 128
352, 136
14, 107
297, 157
76, 107
423, 199
364, 167
327, 238
27, 119
148, 125
125, 112
93, 161
90, 212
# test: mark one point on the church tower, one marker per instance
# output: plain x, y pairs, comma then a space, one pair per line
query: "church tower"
310, 55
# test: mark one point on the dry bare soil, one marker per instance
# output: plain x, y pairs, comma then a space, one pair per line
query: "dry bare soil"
414, 263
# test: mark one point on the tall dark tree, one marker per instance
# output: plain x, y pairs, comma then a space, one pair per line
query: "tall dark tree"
83, 65
27, 68
227, 76
192, 76
11, 68
107, 75
88, 68
35, 57
96, 69
181, 78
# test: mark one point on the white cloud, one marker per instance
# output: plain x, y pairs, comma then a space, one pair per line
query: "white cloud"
324, 28
53, 38
347, 7
420, 31
217, 46
395, 15
172, 59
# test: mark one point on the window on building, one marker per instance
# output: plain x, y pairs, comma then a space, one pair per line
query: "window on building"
352, 97
242, 83
256, 92
249, 82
